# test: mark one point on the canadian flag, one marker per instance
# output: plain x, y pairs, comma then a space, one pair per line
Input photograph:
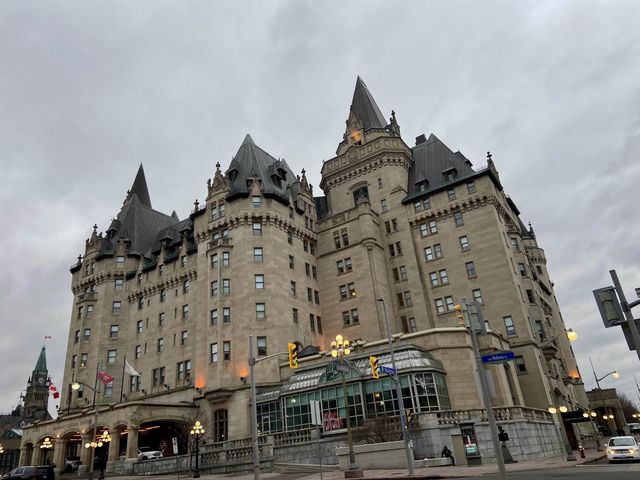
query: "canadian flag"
53, 389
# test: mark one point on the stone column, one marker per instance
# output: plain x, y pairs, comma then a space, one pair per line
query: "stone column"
132, 441
37, 455
85, 453
114, 446
59, 451
25, 455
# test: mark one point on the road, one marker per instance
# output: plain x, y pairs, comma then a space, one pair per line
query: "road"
596, 471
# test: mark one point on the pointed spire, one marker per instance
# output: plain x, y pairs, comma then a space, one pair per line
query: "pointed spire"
365, 107
41, 364
248, 140
139, 189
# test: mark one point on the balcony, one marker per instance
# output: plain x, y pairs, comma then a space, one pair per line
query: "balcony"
87, 296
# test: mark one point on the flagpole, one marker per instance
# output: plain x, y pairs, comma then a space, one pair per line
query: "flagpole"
95, 385
122, 381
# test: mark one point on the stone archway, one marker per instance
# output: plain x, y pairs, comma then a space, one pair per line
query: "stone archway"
26, 454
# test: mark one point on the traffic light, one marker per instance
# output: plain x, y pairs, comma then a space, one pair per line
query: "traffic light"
459, 314
375, 373
609, 306
294, 350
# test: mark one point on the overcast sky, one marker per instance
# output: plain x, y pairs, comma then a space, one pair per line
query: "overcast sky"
89, 90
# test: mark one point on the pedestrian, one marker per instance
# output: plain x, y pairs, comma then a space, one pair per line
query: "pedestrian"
446, 453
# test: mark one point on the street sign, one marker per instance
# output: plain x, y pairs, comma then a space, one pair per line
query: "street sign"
498, 357
387, 370
174, 441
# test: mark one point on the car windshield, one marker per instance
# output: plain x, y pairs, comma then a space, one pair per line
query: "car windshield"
622, 442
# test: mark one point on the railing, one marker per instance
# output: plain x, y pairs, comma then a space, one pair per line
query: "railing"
292, 437
502, 414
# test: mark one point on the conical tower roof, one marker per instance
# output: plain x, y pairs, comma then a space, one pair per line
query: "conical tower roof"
139, 189
41, 364
365, 107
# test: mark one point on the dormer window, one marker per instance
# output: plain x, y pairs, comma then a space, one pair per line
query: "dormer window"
422, 185
356, 137
450, 174
233, 174
361, 194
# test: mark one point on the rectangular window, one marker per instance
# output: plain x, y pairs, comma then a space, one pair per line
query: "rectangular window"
471, 269
226, 350
355, 319
464, 243
137, 352
257, 254
256, 201
521, 368
530, 296
185, 286
226, 286
402, 272
213, 316
379, 182
84, 359
213, 353
307, 269
76, 337
383, 205
226, 258
257, 228
226, 315
160, 270
262, 346
514, 244
108, 389
179, 371
439, 305
477, 296
74, 361
183, 260
120, 261
260, 311
522, 270
316, 297
118, 284
509, 326
471, 186
140, 303
292, 289
214, 260
312, 322
457, 218
290, 237
292, 262
340, 266
407, 299
214, 211
309, 294
409, 324
433, 277
111, 356
113, 333
221, 209
115, 308
347, 264
451, 193
444, 278
214, 288
86, 334
294, 315
449, 302
259, 281
428, 254
185, 311
139, 326
184, 336
89, 311
314, 272
163, 294
160, 345
344, 236
305, 245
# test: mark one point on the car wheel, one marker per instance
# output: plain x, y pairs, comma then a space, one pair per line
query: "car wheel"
144, 457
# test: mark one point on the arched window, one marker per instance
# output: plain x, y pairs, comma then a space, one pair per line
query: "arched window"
361, 193
220, 425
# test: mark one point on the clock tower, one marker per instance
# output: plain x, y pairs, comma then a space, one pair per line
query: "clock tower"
36, 399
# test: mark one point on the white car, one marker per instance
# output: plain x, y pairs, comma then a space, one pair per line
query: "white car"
622, 448
145, 453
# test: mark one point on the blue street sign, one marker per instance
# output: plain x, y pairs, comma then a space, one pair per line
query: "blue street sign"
498, 357
387, 370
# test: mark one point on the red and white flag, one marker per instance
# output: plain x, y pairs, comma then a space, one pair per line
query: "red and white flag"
104, 377
53, 389
47, 337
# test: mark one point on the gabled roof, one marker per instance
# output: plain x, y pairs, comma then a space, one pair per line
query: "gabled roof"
432, 159
365, 107
41, 364
252, 162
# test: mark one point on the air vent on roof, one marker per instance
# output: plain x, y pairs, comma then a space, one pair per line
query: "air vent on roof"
421, 139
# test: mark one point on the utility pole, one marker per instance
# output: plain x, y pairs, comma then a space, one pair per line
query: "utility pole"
626, 309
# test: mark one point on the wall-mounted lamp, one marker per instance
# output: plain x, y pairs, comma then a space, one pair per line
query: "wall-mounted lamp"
243, 380
166, 386
144, 392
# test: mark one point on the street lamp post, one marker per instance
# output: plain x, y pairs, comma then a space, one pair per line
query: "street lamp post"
339, 350
403, 417
615, 375
197, 431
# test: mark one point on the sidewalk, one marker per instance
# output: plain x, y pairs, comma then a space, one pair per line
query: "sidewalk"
558, 461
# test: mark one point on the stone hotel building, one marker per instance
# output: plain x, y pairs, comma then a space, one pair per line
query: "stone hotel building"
412, 229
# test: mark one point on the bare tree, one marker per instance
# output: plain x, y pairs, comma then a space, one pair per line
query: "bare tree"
628, 407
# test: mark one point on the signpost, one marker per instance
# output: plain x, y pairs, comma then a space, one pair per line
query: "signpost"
387, 370
498, 357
